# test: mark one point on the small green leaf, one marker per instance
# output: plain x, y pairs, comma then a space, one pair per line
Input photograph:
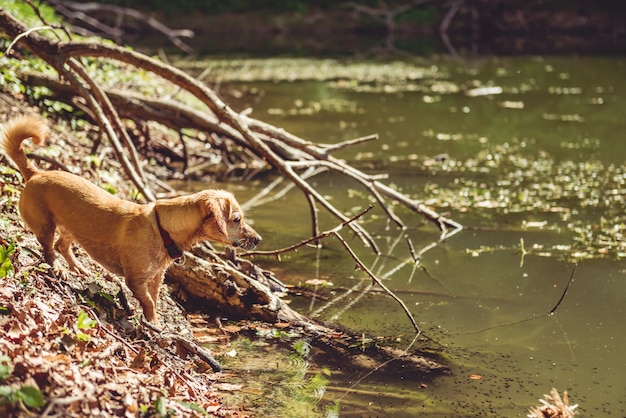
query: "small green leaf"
31, 396
6, 266
110, 298
160, 407
84, 321
6, 392
302, 348
5, 367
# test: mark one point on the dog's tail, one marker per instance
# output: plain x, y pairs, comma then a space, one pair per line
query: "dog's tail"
15, 132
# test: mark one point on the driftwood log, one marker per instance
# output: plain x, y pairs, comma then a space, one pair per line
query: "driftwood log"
242, 288
235, 287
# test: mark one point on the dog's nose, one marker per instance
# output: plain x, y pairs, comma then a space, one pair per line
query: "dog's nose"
257, 240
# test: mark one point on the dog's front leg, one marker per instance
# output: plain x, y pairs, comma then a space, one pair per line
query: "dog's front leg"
141, 290
153, 287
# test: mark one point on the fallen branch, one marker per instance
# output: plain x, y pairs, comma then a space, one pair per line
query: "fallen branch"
188, 345
81, 16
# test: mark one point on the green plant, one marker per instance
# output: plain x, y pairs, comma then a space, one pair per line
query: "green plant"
194, 407
160, 405
84, 322
5, 367
332, 410
302, 347
29, 395
6, 265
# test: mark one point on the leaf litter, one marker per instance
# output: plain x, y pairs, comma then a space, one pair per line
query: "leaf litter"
104, 372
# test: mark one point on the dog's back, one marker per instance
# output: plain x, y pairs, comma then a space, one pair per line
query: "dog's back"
15, 132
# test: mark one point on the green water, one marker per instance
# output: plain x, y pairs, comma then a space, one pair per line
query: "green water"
535, 173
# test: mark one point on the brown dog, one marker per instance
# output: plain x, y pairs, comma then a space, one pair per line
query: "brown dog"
136, 241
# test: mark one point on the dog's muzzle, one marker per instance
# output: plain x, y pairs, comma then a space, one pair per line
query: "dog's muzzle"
248, 243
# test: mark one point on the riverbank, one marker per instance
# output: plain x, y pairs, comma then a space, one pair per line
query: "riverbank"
476, 28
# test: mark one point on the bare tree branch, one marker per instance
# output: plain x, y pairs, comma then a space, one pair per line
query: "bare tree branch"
80, 14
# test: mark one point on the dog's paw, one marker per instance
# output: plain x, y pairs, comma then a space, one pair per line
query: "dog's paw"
59, 272
79, 268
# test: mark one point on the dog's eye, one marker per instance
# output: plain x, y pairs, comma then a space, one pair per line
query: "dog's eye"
236, 217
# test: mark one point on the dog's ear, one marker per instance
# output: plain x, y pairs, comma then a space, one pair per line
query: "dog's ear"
218, 212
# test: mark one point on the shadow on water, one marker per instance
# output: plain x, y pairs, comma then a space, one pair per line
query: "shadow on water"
528, 154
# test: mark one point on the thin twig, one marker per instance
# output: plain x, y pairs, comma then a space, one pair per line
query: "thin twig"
569, 283
7, 51
377, 281
356, 141
549, 313
318, 237
100, 104
445, 24
49, 160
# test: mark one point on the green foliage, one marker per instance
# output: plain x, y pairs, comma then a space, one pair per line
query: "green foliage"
6, 266
12, 70
109, 188
424, 14
93, 160
302, 347
274, 333
84, 321
29, 395
332, 410
5, 367
160, 405
24, 12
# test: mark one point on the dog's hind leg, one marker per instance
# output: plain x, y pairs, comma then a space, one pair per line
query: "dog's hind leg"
45, 236
64, 246
39, 220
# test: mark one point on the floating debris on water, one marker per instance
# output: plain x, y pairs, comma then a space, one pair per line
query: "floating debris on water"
553, 406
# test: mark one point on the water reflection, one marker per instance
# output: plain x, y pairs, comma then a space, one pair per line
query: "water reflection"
534, 169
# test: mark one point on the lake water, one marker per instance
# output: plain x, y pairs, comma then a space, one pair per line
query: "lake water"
534, 171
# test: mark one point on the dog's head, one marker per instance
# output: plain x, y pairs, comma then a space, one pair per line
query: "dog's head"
224, 222
210, 215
